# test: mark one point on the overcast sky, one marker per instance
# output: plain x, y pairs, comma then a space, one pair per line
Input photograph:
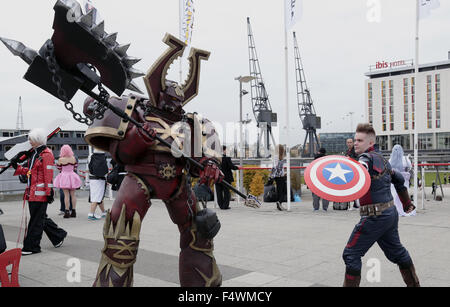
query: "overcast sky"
337, 42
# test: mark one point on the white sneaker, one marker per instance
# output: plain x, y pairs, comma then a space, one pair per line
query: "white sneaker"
98, 217
103, 214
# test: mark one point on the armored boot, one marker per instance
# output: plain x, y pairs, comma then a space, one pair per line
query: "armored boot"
409, 276
119, 253
198, 267
351, 281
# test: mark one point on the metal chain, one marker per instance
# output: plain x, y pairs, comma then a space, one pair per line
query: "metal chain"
190, 202
57, 80
100, 108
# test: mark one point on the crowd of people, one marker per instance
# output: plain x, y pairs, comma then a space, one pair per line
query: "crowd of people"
38, 171
384, 195
278, 177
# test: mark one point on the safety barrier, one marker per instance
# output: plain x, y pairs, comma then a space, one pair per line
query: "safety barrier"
424, 169
9, 184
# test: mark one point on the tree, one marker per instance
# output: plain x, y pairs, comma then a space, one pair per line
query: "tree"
257, 184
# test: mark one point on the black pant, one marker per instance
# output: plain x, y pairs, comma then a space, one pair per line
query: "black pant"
39, 223
281, 188
223, 196
2, 240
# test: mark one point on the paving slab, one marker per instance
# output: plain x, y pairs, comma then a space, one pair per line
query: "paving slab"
254, 248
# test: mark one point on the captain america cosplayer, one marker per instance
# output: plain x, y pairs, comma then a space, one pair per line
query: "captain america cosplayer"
379, 217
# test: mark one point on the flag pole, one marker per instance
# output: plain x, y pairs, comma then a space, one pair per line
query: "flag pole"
416, 83
288, 150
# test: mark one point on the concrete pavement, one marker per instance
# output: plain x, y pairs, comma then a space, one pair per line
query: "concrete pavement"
254, 248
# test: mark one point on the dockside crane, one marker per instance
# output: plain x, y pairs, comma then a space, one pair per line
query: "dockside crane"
311, 122
262, 109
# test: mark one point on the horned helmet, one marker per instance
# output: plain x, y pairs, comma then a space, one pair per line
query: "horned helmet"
168, 95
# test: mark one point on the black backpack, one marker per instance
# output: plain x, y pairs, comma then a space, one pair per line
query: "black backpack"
98, 166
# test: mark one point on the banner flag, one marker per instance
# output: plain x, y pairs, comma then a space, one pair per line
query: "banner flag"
293, 12
187, 20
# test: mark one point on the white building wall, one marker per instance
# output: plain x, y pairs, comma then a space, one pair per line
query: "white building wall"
421, 104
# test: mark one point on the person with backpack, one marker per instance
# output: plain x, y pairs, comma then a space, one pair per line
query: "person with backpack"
98, 168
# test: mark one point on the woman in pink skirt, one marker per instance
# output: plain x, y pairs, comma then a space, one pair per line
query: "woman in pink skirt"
68, 180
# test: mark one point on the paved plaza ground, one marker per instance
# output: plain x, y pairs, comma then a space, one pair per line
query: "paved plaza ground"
254, 248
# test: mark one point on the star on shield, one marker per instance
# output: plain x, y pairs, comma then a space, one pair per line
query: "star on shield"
338, 172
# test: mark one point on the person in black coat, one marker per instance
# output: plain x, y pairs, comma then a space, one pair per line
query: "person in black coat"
351, 150
223, 193
316, 199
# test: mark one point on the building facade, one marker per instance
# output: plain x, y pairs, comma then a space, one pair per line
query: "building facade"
335, 143
9, 138
396, 102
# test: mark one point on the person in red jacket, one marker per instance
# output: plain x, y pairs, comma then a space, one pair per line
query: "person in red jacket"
39, 193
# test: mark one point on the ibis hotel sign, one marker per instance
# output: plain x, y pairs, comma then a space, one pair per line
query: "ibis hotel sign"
395, 64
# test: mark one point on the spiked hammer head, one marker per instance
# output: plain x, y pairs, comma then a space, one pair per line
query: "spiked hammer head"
20, 50
78, 41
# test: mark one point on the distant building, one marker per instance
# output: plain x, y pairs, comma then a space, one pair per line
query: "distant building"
335, 143
392, 94
74, 138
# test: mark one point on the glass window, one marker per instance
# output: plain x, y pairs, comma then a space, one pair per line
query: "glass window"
403, 140
426, 141
382, 141
443, 140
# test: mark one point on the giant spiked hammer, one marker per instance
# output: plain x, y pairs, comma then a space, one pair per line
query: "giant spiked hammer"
67, 63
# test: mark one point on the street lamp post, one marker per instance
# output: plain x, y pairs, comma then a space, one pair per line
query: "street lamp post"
246, 137
242, 79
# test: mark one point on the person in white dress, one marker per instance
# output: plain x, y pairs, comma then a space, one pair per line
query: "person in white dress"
402, 164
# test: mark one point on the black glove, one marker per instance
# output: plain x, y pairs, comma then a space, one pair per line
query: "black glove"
16, 160
23, 178
14, 163
51, 197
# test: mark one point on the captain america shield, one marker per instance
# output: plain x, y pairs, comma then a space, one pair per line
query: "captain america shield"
337, 178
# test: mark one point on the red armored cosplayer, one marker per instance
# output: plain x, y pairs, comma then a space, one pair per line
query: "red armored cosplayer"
155, 173
160, 145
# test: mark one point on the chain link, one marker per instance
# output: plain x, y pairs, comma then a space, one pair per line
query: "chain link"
57, 80
190, 201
